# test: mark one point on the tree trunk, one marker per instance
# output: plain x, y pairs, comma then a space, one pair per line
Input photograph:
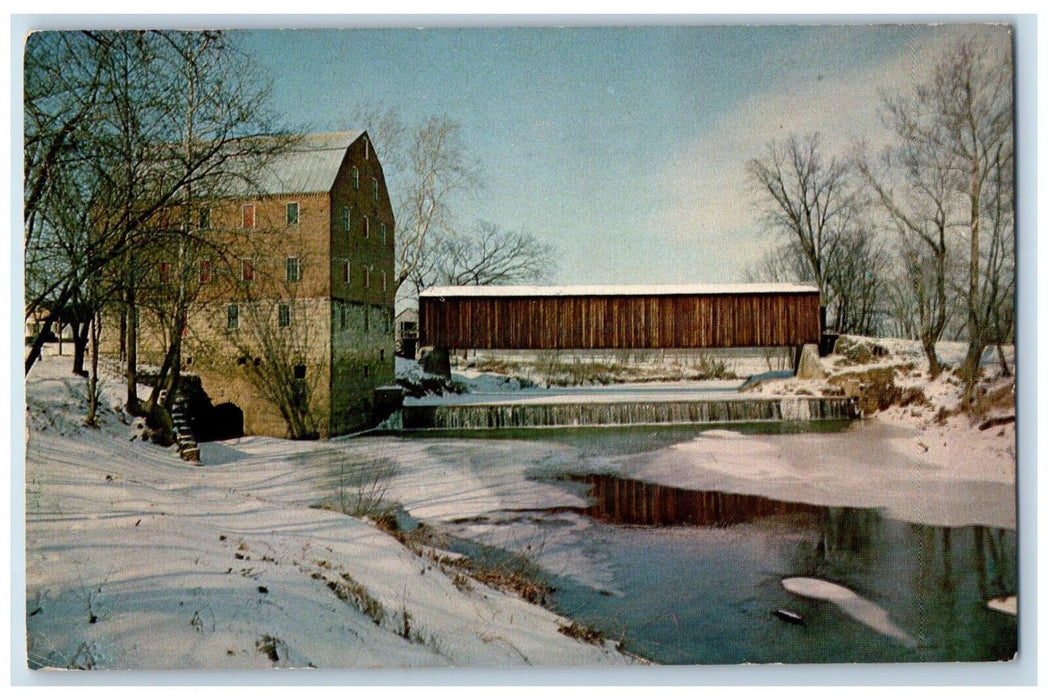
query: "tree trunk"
971, 369
38, 343
123, 335
934, 368
81, 329
1005, 370
133, 406
975, 330
92, 384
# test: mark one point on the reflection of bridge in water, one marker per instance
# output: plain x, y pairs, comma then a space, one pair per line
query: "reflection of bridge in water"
842, 537
631, 502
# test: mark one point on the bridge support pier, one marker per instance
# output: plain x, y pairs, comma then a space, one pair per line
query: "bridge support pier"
435, 361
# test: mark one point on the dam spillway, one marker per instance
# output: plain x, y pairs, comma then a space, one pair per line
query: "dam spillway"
564, 414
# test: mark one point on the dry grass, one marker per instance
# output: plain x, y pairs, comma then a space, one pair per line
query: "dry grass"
555, 368
582, 632
352, 593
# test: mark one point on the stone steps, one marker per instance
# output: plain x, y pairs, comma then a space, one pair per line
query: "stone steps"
187, 444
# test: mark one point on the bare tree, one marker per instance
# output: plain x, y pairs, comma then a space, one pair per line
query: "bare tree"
913, 185
858, 282
964, 115
427, 166
807, 199
487, 255
811, 203
63, 90
170, 113
217, 110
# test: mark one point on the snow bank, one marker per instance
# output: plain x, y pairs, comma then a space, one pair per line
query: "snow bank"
931, 430
137, 560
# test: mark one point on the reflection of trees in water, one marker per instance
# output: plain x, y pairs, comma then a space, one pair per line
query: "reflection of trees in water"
993, 570
632, 502
845, 538
947, 557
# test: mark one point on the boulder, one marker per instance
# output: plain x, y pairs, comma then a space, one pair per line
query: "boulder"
809, 366
857, 350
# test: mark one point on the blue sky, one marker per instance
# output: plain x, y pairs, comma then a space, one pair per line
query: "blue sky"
623, 147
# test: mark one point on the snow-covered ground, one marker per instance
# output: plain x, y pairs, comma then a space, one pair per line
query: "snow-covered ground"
934, 432
137, 560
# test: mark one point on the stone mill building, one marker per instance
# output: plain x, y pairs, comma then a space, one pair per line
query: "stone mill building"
291, 323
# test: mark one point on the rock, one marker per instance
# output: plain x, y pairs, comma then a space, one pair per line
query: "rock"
809, 366
875, 388
858, 351
789, 616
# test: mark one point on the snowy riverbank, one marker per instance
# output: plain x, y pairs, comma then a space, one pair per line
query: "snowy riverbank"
137, 560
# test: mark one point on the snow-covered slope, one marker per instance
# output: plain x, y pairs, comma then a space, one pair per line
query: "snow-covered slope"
137, 560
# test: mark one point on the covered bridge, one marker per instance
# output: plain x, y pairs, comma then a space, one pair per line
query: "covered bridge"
619, 317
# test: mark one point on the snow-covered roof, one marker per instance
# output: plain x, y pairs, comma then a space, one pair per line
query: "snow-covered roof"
309, 166
618, 290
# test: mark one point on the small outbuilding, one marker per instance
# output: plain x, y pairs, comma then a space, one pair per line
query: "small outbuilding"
406, 333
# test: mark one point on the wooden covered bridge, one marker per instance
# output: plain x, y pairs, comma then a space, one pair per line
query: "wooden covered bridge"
619, 317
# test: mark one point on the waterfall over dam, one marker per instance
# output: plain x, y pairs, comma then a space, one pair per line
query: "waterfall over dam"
480, 416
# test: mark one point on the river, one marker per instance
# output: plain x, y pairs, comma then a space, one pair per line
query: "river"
691, 571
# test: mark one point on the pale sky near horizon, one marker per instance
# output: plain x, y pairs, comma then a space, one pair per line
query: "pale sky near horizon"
626, 148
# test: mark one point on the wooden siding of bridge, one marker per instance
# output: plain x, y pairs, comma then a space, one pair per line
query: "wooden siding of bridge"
604, 322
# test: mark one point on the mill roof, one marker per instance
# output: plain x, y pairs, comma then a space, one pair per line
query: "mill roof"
309, 166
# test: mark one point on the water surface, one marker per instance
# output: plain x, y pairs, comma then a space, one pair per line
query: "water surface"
699, 575
695, 576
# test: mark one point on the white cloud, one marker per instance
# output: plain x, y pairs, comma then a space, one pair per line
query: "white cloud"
708, 200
